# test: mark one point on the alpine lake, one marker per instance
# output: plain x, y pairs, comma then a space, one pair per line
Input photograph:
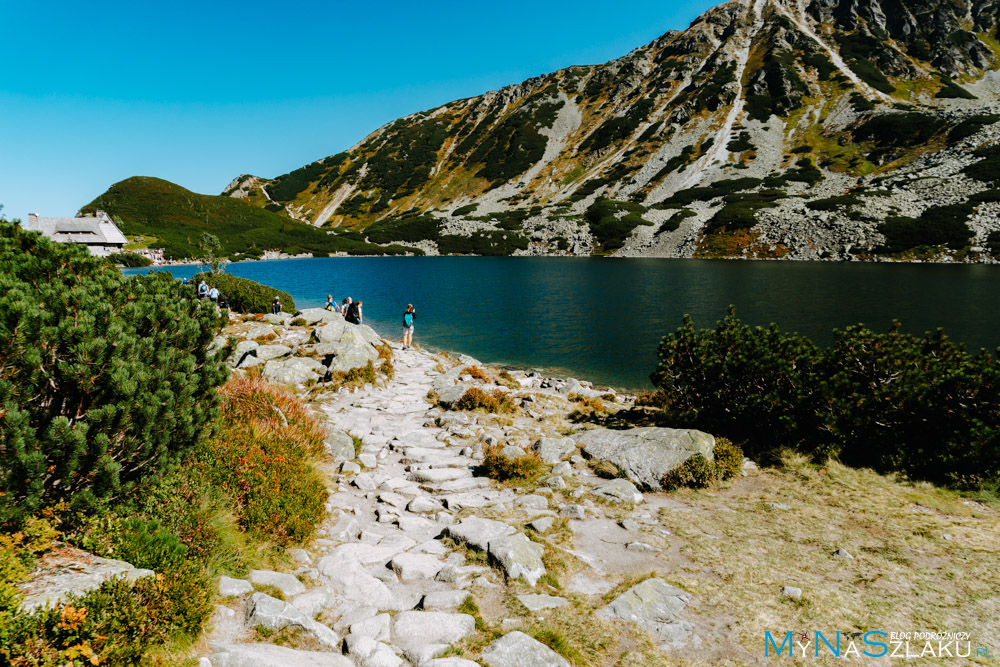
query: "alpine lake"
601, 319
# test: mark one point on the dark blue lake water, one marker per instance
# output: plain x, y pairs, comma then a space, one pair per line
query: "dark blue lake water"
601, 319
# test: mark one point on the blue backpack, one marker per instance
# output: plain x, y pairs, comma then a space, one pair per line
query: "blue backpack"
408, 320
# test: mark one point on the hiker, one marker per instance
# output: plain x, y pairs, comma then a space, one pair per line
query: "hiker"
276, 306
345, 306
408, 325
330, 304
213, 294
354, 312
202, 289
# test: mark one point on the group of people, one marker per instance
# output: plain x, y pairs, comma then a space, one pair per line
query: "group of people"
351, 311
349, 308
206, 291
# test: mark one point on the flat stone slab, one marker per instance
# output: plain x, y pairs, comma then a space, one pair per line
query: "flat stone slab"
262, 610
516, 649
433, 475
271, 655
413, 628
655, 605
617, 490
66, 570
229, 587
518, 556
288, 584
349, 580
646, 454
459, 485
444, 600
537, 602
477, 532
413, 567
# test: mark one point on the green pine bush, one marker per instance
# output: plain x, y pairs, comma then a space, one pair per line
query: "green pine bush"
246, 296
104, 380
921, 406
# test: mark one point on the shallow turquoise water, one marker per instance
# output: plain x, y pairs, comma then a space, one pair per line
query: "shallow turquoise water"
601, 319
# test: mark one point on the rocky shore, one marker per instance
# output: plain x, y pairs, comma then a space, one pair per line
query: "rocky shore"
420, 549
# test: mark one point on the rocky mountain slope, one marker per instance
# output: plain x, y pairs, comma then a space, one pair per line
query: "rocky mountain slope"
771, 128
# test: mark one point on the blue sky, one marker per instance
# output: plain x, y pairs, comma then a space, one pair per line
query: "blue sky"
200, 92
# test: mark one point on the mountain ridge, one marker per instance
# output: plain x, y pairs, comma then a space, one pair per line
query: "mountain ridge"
772, 128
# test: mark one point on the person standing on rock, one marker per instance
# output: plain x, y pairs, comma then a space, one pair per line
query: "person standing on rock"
354, 312
408, 325
202, 290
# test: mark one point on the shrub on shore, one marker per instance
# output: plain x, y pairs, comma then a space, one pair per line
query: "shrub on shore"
129, 259
477, 399
246, 296
921, 406
498, 466
104, 380
698, 472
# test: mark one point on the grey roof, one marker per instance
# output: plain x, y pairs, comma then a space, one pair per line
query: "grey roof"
98, 230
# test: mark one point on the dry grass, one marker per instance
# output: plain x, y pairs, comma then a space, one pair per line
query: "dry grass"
905, 576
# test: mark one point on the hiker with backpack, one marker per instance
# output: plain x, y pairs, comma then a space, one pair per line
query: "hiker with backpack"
408, 325
354, 312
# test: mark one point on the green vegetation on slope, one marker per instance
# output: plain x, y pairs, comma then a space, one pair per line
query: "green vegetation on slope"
178, 217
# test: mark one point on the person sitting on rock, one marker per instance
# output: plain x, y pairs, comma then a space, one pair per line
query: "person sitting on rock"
276, 305
345, 306
354, 312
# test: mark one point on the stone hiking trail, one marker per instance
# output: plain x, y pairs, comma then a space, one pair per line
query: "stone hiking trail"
391, 563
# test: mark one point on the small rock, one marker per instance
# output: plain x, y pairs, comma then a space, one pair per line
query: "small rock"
541, 524
229, 587
563, 469
368, 460
779, 506
518, 556
556, 482
439, 600
630, 525
617, 490
288, 584
573, 512
350, 468
842, 553
412, 567
533, 502
537, 602
364, 482
376, 627
791, 592
642, 547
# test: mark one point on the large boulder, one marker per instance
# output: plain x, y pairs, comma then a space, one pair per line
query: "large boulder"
353, 351
294, 371
516, 649
340, 446
452, 394
655, 606
646, 454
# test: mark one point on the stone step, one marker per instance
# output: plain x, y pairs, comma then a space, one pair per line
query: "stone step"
440, 474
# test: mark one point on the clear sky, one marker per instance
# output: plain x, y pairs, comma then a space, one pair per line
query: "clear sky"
201, 92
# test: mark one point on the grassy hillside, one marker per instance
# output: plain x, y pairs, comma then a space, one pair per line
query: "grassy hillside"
178, 217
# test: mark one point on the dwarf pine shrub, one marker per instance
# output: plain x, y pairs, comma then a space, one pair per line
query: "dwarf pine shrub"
921, 406
104, 380
477, 399
246, 296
